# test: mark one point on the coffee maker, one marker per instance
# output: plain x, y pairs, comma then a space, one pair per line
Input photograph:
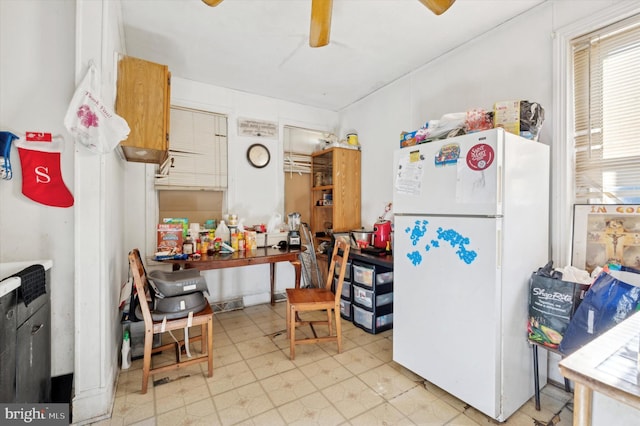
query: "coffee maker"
293, 238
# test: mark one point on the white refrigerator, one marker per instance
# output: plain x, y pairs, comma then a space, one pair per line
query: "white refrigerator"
471, 223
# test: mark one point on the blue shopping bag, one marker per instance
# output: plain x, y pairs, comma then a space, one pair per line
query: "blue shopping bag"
611, 298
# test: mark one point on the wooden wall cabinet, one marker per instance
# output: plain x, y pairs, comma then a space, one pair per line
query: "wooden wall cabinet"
143, 100
335, 191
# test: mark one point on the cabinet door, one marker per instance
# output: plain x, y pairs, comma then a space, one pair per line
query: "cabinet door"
8, 347
143, 101
33, 358
346, 190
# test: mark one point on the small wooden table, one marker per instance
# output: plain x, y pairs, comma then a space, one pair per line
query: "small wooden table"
258, 256
608, 365
536, 372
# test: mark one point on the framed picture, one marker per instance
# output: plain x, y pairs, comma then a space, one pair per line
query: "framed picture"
342, 236
606, 233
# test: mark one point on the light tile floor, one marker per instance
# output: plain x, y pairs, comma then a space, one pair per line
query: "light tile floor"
255, 383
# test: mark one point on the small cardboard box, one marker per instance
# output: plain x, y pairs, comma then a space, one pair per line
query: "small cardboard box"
522, 118
269, 239
506, 114
251, 242
170, 237
182, 220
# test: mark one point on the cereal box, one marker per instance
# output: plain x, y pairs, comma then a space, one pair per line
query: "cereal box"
170, 237
182, 220
408, 139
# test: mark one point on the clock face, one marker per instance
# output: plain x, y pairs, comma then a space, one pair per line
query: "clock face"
258, 155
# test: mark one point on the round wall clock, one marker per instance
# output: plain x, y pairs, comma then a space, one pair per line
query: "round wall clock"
258, 155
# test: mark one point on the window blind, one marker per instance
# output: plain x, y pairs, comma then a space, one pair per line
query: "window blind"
297, 163
607, 114
299, 144
197, 151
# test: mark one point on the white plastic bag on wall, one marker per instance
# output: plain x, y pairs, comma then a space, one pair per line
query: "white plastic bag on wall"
93, 123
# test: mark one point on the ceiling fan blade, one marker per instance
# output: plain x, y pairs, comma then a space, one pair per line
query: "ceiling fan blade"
320, 22
438, 6
212, 3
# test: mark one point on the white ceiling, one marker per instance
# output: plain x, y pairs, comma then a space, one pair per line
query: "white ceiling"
262, 46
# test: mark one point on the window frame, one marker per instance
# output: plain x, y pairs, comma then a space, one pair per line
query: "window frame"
190, 152
562, 155
605, 139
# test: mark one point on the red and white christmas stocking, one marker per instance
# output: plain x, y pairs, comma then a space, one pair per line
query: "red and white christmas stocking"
41, 175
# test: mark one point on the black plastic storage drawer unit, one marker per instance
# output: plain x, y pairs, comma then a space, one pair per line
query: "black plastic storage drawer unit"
346, 296
347, 293
347, 273
369, 299
373, 277
372, 297
372, 322
346, 310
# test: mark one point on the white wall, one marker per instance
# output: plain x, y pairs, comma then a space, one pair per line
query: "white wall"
512, 61
44, 53
253, 194
100, 212
36, 83
608, 411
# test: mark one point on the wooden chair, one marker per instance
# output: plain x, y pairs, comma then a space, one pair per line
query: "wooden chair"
204, 319
318, 299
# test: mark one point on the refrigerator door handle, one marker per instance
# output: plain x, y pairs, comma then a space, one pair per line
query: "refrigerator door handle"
499, 248
499, 188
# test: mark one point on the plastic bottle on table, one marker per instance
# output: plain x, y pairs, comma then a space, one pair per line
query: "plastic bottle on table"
188, 247
222, 232
126, 350
204, 244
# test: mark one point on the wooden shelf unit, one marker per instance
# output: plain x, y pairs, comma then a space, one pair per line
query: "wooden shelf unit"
338, 173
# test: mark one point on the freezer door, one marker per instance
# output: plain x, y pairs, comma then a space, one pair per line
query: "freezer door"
447, 316
460, 176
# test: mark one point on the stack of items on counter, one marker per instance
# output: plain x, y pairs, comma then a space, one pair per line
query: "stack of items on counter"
522, 118
177, 239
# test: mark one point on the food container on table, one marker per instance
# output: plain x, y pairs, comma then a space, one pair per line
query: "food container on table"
361, 238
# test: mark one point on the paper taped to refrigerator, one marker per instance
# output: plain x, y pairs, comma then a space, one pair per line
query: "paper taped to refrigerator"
410, 172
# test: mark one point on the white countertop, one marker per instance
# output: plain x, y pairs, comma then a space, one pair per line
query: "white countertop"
9, 268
